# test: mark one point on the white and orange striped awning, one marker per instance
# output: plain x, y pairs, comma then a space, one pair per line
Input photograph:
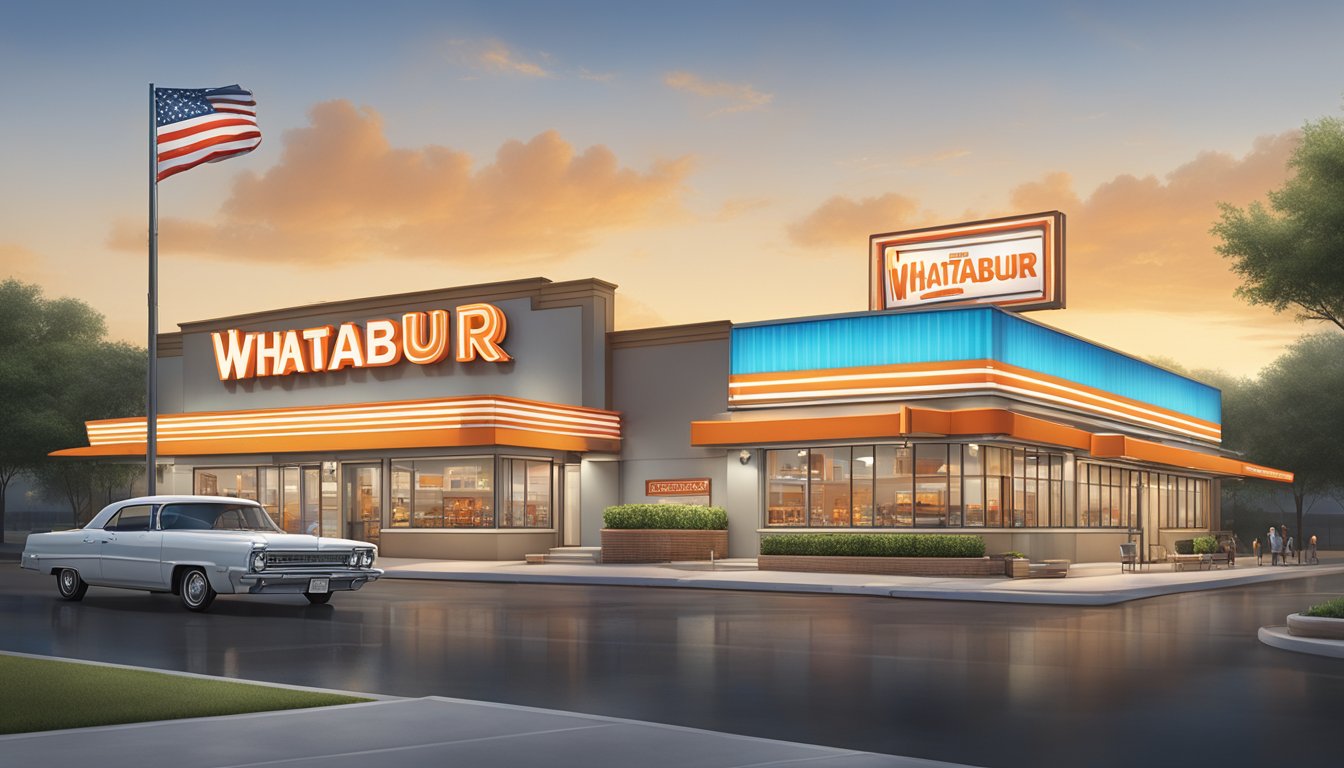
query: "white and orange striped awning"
961, 377
445, 422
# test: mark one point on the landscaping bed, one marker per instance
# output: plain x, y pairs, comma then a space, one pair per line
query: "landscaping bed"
662, 533
1325, 620
893, 554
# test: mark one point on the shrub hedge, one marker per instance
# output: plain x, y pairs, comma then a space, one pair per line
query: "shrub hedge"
1205, 545
692, 517
873, 545
1334, 609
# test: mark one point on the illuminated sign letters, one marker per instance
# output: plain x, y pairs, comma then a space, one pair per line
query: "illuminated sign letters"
422, 338
1016, 263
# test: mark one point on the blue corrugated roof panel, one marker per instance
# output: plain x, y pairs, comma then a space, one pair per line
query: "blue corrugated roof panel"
973, 333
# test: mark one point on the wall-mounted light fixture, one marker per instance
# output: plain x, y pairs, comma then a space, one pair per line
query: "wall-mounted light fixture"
744, 456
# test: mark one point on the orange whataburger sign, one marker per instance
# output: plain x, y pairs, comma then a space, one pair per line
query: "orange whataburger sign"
696, 486
422, 338
1016, 263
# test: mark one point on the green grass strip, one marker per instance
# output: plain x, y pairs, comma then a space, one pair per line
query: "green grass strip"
44, 695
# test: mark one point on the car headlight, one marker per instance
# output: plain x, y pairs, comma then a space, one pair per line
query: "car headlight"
352, 559
367, 560
258, 560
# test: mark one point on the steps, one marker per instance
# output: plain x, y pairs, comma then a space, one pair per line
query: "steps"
568, 556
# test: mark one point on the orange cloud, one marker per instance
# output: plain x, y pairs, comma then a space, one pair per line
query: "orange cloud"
341, 192
1133, 243
1144, 243
495, 56
841, 221
741, 96
18, 262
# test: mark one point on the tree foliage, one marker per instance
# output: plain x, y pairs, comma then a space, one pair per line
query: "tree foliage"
1292, 254
1291, 416
57, 370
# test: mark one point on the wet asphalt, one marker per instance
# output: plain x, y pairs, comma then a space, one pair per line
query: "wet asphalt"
1155, 681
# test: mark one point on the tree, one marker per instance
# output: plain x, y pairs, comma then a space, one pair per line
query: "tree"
57, 370
1294, 255
1291, 418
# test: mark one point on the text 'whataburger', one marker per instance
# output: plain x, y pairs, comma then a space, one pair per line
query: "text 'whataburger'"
422, 338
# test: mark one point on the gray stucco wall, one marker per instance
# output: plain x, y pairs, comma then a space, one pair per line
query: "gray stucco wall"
601, 482
546, 346
659, 390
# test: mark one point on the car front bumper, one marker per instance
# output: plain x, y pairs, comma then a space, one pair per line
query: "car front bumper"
295, 582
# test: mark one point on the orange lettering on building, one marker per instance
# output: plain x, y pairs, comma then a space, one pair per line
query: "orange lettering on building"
480, 328
422, 338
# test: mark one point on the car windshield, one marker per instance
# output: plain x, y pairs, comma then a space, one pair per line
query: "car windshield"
205, 516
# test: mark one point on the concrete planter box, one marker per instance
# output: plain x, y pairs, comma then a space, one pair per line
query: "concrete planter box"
886, 566
1315, 626
621, 545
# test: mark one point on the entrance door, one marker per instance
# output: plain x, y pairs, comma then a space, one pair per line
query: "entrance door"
309, 501
362, 493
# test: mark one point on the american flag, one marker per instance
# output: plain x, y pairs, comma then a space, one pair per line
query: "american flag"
203, 125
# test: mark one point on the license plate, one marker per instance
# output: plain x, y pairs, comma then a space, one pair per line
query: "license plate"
318, 586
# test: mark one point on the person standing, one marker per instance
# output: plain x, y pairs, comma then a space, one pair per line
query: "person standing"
1275, 546
1287, 542
1255, 548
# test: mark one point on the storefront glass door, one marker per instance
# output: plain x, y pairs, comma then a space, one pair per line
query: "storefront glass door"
305, 496
362, 492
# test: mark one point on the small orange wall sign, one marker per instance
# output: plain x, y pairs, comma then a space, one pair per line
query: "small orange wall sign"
695, 486
422, 338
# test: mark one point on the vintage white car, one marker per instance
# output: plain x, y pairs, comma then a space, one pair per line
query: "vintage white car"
196, 547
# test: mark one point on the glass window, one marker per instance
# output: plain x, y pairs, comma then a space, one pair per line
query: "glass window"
786, 487
973, 489
931, 487
363, 501
894, 495
828, 487
235, 482
862, 473
268, 493
529, 494
130, 519
453, 493
401, 495
217, 517
954, 486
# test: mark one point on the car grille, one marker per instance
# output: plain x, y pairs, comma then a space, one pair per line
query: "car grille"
306, 559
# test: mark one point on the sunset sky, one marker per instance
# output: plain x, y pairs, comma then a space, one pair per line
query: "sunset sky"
716, 161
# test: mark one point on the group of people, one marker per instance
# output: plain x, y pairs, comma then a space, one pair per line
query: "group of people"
1282, 547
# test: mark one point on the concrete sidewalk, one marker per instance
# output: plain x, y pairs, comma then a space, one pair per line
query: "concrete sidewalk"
432, 731
1086, 584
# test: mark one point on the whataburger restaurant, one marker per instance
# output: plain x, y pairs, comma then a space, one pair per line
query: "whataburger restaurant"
492, 421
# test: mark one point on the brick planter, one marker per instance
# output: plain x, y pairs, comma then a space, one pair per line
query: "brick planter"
886, 566
621, 545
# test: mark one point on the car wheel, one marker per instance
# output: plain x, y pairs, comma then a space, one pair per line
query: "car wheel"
195, 590
318, 598
70, 585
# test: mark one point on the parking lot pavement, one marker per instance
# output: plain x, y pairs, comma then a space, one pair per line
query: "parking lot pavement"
430, 731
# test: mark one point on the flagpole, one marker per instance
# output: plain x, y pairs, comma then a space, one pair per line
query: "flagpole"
152, 384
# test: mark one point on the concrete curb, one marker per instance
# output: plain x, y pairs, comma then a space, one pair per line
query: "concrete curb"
1049, 591
1278, 637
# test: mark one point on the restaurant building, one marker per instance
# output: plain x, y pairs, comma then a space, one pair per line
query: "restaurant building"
497, 420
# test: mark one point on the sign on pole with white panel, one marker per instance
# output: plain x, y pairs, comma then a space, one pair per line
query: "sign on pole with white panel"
1016, 263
